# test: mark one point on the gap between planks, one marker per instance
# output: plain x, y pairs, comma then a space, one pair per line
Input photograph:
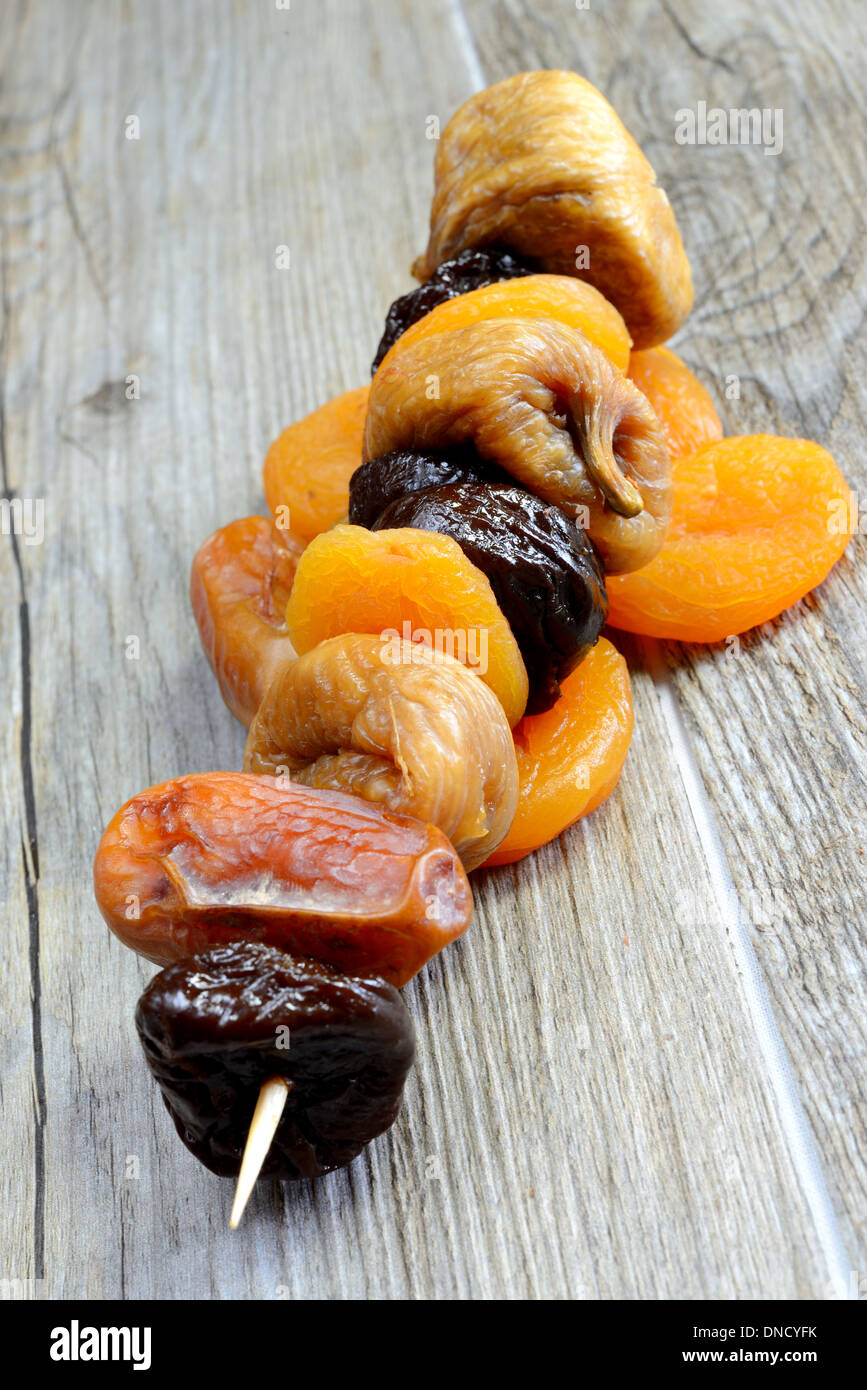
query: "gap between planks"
795, 1126
467, 46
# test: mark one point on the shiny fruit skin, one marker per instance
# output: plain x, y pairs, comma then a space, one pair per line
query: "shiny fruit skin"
571, 757
758, 521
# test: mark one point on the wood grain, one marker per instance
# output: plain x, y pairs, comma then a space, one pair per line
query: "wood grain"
598, 1110
777, 249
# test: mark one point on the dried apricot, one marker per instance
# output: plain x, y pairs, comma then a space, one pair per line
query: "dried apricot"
308, 467
754, 528
541, 164
543, 568
570, 301
395, 722
468, 271
536, 397
570, 757
224, 856
239, 586
683, 406
410, 582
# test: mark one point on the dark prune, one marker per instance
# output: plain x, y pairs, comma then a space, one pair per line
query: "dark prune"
543, 568
212, 1027
467, 271
383, 480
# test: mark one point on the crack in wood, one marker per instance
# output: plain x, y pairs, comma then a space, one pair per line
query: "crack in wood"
30, 840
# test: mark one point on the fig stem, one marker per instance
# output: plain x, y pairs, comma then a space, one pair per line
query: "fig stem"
273, 1094
619, 492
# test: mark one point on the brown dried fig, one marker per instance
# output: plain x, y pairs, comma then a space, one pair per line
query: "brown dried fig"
397, 723
542, 165
537, 398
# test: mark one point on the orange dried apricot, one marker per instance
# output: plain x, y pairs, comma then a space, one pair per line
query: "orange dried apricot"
684, 408
755, 527
413, 584
308, 467
240, 581
573, 302
570, 757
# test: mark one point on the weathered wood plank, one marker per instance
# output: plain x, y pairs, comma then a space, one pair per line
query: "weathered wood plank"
777, 248
592, 1114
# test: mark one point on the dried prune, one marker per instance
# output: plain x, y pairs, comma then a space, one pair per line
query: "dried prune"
215, 1026
403, 471
468, 271
544, 570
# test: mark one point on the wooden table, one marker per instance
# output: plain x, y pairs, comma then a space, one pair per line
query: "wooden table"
640, 1073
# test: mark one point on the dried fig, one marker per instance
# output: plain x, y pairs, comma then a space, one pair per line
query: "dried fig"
395, 722
541, 164
538, 399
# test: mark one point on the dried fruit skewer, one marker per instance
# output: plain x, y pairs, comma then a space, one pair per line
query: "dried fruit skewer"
472, 492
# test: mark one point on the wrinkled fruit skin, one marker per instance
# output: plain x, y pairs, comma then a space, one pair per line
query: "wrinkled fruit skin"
543, 569
570, 758
223, 856
209, 1028
394, 722
381, 481
467, 271
239, 586
542, 164
758, 521
406, 582
537, 398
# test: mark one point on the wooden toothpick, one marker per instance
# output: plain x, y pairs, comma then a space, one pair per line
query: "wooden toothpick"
266, 1117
